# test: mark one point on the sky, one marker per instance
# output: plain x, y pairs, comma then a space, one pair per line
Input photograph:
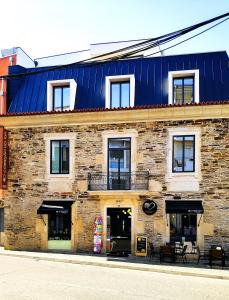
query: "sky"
48, 27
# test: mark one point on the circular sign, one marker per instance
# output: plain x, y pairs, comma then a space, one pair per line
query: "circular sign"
149, 207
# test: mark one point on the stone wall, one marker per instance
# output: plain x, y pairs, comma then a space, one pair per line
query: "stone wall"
28, 185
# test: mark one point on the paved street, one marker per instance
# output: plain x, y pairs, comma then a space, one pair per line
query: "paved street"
22, 278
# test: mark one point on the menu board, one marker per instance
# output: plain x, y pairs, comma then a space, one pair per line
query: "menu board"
141, 246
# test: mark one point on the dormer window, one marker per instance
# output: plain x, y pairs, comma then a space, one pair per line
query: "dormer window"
120, 94
120, 91
183, 90
61, 95
183, 87
61, 98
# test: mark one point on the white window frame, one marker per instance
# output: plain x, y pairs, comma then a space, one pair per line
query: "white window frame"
183, 181
119, 78
184, 73
59, 83
48, 137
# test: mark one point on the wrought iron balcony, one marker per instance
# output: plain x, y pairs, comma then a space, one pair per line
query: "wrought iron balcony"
118, 181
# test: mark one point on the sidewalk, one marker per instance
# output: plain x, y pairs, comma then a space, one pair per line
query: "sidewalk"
131, 263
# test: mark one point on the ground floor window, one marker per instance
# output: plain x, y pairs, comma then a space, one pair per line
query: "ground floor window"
1, 219
183, 227
60, 225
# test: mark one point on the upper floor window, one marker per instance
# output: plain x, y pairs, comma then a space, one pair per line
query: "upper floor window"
183, 90
59, 160
183, 87
120, 91
183, 159
120, 94
61, 98
61, 95
119, 153
183, 153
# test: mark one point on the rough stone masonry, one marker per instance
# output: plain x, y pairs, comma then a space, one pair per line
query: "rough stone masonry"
28, 184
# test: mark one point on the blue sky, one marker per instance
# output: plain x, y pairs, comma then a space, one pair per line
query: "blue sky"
46, 27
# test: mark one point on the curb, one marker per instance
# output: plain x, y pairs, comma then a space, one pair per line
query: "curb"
120, 266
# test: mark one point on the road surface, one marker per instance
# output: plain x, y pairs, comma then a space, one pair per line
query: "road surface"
23, 278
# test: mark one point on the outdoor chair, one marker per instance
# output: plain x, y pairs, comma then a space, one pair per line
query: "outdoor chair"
217, 255
201, 254
194, 247
182, 254
167, 252
198, 254
178, 247
151, 250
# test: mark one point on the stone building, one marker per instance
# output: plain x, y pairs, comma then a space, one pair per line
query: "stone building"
141, 144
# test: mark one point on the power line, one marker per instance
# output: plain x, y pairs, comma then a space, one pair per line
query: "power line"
189, 38
130, 50
175, 37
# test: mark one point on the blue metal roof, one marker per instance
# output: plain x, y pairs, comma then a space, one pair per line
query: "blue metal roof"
29, 93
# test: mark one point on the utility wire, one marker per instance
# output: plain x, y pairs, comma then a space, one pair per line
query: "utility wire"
166, 40
193, 36
131, 50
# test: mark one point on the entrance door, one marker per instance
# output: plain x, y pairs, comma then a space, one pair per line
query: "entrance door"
59, 230
119, 230
119, 164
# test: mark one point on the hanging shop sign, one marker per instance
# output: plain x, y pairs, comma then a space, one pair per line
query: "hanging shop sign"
3, 158
141, 246
149, 207
98, 232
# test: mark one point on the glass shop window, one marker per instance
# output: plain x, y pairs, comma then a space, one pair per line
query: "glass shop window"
183, 227
1, 219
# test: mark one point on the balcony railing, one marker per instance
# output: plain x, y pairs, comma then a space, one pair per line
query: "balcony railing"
118, 181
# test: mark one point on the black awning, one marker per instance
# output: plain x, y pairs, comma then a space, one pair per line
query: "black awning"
50, 207
184, 207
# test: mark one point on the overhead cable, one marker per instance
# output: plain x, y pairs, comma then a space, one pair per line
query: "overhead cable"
128, 52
